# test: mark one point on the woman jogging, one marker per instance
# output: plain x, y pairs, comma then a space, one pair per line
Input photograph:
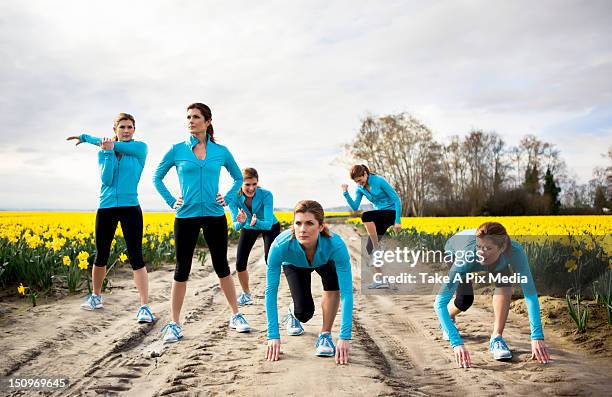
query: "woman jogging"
121, 160
309, 246
198, 163
253, 214
387, 212
490, 249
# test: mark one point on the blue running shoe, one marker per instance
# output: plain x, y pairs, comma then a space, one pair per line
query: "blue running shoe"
172, 332
245, 299
292, 324
239, 323
92, 302
325, 345
144, 314
499, 349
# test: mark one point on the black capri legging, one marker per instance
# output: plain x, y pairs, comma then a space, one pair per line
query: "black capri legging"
186, 232
383, 219
464, 297
247, 240
131, 224
298, 279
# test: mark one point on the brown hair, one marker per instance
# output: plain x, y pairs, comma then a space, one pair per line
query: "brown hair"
248, 173
207, 114
121, 117
358, 170
315, 209
495, 232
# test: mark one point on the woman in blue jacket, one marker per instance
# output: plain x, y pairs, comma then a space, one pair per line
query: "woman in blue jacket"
309, 246
387, 208
121, 161
489, 249
198, 163
253, 214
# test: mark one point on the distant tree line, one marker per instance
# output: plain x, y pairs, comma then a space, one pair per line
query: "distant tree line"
475, 174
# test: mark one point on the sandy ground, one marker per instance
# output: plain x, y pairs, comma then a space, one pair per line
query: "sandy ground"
397, 348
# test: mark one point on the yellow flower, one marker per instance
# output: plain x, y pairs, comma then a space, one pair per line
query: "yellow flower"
21, 289
66, 260
144, 240
83, 256
152, 245
160, 239
577, 253
83, 264
123, 257
113, 243
172, 241
571, 265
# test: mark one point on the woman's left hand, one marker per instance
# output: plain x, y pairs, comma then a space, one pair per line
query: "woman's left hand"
107, 144
342, 351
220, 200
397, 227
539, 351
253, 220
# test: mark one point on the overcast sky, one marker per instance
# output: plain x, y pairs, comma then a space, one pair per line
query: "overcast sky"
289, 82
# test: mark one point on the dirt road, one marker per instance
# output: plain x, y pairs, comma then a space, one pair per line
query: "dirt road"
397, 348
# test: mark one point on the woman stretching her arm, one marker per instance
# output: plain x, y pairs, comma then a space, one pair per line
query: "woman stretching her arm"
121, 161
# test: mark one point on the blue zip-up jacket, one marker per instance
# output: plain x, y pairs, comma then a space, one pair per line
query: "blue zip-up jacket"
199, 179
287, 250
119, 177
263, 208
381, 195
517, 259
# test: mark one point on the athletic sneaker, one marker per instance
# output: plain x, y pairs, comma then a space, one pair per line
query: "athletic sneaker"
499, 349
245, 299
325, 345
292, 324
92, 302
378, 285
239, 323
172, 332
144, 314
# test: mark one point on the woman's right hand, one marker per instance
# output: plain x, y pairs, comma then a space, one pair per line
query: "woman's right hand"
273, 350
344, 187
178, 203
241, 217
77, 138
462, 357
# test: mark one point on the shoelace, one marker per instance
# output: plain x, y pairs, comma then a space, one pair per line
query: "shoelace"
173, 328
325, 340
295, 323
500, 344
244, 298
93, 300
240, 319
146, 310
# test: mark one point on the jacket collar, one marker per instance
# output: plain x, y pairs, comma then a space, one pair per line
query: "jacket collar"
192, 141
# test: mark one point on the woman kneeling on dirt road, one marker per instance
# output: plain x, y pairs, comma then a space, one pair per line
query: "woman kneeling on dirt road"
492, 251
308, 246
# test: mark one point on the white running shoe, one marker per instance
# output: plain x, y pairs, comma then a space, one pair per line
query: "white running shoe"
245, 299
92, 302
325, 345
499, 349
292, 324
172, 332
239, 323
144, 314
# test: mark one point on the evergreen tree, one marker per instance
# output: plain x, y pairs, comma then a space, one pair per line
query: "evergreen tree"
551, 191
